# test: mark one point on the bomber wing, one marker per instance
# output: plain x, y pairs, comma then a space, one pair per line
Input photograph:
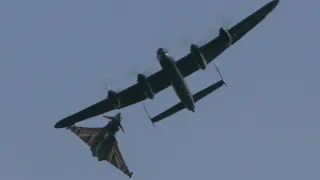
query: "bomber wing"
187, 65
134, 94
178, 107
115, 158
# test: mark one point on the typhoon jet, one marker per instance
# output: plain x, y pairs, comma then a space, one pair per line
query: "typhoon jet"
103, 143
173, 72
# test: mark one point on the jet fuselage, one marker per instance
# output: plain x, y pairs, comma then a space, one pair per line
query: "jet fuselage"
104, 140
177, 81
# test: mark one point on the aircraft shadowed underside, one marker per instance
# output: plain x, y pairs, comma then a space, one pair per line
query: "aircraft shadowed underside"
173, 72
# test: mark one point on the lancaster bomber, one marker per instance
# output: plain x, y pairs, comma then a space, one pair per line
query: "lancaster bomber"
173, 72
103, 143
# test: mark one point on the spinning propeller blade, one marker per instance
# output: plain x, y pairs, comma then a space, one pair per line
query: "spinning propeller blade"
135, 72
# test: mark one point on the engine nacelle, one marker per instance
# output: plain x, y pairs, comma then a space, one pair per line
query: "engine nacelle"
201, 61
225, 35
145, 86
113, 96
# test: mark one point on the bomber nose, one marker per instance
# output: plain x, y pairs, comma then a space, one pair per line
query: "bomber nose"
162, 51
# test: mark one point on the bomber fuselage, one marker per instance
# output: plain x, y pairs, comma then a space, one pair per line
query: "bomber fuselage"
177, 81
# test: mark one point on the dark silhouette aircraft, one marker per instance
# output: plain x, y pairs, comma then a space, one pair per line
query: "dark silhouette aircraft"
173, 72
103, 143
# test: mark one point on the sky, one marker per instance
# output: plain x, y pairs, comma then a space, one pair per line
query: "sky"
57, 58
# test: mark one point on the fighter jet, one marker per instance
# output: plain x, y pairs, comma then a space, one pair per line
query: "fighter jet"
103, 143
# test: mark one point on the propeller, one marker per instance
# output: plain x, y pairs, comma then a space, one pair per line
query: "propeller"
107, 84
134, 71
117, 118
212, 31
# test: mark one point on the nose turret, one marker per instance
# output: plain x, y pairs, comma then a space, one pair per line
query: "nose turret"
161, 52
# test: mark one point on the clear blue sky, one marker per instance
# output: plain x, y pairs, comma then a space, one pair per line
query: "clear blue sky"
57, 56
